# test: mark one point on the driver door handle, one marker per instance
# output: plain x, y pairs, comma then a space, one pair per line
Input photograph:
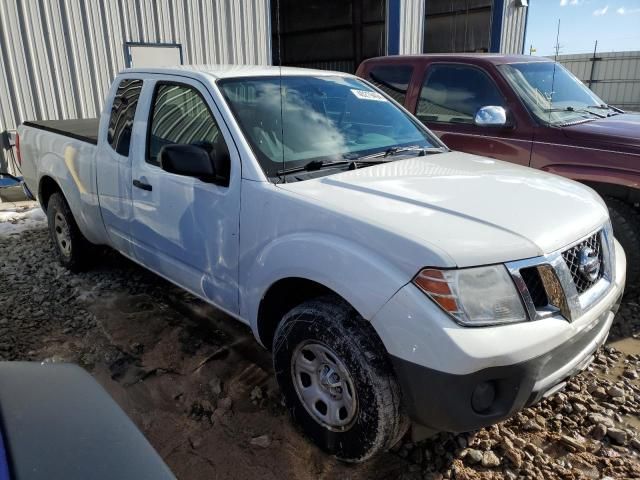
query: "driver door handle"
142, 185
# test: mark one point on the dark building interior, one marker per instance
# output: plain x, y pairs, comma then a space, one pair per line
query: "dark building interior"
327, 34
457, 26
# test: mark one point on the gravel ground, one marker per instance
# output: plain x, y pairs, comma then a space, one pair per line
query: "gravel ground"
202, 391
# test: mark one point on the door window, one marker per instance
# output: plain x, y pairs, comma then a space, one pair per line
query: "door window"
181, 116
392, 79
123, 112
454, 93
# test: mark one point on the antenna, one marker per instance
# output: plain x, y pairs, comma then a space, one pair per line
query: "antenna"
555, 62
284, 175
593, 64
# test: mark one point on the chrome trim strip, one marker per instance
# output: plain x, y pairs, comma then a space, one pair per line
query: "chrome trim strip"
582, 148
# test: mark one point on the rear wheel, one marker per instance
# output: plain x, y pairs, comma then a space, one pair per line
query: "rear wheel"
625, 220
71, 246
337, 381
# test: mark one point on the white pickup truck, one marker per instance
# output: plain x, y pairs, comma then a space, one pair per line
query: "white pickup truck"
393, 280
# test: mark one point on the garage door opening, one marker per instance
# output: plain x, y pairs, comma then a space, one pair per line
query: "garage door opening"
453, 26
328, 34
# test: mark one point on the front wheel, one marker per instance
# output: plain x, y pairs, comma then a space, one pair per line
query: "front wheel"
337, 380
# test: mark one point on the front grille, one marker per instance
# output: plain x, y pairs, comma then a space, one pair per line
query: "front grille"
571, 257
534, 284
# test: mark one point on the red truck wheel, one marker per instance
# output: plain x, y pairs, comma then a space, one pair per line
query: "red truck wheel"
625, 220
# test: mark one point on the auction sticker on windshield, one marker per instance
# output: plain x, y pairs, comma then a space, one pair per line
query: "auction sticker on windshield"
364, 95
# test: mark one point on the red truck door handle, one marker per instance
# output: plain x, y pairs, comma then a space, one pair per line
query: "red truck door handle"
142, 185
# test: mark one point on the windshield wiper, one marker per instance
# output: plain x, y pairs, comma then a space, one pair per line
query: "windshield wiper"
351, 158
389, 152
423, 150
604, 106
576, 110
312, 166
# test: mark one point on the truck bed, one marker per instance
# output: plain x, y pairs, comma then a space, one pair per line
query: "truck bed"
83, 129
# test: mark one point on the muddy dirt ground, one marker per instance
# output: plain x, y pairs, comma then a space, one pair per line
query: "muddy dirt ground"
202, 391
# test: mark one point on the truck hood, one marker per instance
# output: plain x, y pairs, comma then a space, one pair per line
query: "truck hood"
619, 130
477, 210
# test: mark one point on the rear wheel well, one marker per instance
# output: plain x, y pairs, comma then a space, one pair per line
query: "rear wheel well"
47, 187
281, 297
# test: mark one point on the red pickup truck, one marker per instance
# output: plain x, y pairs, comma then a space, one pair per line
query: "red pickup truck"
526, 110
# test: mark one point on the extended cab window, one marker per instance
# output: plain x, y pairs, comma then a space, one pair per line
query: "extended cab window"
454, 93
392, 79
122, 113
181, 116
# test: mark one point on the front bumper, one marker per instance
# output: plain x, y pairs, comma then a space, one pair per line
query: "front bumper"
459, 379
444, 401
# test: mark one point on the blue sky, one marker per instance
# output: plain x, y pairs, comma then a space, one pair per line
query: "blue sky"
614, 23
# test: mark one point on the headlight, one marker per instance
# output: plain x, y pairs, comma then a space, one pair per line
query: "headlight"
474, 296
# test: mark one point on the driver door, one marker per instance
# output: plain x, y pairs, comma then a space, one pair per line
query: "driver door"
183, 228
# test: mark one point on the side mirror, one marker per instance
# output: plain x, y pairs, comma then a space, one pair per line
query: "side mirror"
187, 160
491, 116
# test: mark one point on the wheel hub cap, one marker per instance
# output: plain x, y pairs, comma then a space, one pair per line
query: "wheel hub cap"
62, 234
324, 385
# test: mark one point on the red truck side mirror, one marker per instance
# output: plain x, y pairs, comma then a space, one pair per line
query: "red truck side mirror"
491, 116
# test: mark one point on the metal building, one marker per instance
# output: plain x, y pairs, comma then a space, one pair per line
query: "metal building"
613, 76
59, 56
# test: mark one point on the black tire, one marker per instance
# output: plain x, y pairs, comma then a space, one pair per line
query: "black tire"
625, 220
72, 248
378, 419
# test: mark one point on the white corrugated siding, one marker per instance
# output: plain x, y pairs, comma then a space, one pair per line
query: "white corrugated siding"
411, 26
59, 57
616, 76
514, 23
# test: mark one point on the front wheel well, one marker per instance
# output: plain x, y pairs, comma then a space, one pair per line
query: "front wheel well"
623, 193
46, 188
281, 297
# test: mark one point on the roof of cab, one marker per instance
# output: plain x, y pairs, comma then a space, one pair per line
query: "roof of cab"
494, 58
234, 71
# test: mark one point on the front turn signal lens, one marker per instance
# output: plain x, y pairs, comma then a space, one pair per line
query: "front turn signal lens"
433, 283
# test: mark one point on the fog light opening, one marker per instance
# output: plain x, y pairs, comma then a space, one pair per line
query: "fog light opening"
483, 397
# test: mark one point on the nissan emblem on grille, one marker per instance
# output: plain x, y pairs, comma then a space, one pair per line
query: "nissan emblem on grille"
588, 263
585, 262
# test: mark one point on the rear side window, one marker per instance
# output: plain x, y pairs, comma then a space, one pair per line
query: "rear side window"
392, 79
181, 116
122, 113
454, 93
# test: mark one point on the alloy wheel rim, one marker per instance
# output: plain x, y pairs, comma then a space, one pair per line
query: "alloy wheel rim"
324, 385
62, 233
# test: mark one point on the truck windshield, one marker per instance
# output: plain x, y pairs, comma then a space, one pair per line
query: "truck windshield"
558, 98
293, 121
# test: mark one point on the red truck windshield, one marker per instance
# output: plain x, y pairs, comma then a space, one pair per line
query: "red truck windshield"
553, 94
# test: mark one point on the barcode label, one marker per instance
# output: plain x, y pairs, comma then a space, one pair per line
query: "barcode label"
366, 95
